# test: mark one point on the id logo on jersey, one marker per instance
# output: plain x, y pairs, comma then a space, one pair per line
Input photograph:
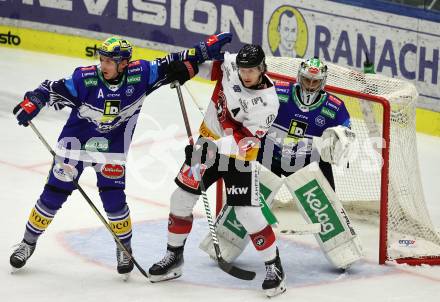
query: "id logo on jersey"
111, 110
296, 132
297, 129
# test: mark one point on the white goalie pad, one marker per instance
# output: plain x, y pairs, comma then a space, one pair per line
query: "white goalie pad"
231, 234
318, 203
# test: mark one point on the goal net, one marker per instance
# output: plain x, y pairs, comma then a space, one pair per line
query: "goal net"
382, 181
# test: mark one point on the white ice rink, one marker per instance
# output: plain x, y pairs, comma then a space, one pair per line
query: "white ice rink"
74, 260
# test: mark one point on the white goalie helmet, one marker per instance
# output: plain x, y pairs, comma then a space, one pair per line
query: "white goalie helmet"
312, 76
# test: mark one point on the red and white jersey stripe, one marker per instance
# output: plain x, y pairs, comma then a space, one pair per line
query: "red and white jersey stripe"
237, 117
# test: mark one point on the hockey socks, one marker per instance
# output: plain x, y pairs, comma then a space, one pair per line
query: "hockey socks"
264, 242
120, 222
39, 219
178, 229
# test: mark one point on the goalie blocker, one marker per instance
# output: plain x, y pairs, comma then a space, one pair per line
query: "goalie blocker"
316, 201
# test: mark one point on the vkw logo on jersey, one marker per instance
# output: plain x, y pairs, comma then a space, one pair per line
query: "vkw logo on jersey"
237, 191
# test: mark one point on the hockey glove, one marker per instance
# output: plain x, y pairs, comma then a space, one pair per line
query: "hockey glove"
29, 107
181, 71
337, 144
211, 48
202, 152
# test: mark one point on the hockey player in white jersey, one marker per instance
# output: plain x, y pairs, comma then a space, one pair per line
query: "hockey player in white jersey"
242, 108
310, 134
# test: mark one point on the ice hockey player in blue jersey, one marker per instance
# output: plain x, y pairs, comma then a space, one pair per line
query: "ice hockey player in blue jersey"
105, 102
306, 111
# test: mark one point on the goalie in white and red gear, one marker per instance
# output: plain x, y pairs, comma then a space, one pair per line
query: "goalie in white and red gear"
243, 105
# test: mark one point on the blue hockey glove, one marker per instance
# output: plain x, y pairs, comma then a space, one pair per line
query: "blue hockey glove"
211, 48
29, 107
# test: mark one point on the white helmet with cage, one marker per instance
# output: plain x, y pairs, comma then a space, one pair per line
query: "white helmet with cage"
312, 76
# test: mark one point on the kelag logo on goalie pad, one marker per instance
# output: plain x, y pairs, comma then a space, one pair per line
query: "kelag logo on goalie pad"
319, 209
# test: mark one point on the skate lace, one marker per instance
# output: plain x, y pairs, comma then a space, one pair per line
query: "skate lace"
167, 260
272, 272
23, 251
122, 258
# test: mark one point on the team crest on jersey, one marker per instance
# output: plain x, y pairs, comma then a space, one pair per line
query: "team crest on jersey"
236, 88
320, 121
129, 91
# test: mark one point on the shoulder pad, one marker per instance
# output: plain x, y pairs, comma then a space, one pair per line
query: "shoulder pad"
134, 68
282, 87
134, 63
335, 100
88, 71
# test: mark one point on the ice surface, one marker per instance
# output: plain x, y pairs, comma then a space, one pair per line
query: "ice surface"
74, 259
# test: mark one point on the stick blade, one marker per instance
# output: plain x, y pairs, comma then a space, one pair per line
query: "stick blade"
235, 271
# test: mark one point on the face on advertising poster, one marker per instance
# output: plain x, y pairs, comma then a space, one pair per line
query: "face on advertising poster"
287, 32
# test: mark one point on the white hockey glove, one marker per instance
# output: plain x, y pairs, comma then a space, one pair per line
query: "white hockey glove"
337, 143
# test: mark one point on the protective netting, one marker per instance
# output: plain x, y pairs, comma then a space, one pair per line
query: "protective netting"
410, 232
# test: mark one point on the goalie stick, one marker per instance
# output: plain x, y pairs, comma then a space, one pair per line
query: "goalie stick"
91, 204
225, 266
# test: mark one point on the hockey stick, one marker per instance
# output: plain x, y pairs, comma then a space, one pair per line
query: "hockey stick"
303, 229
225, 266
91, 204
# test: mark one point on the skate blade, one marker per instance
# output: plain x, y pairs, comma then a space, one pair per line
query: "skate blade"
125, 277
173, 274
276, 291
14, 270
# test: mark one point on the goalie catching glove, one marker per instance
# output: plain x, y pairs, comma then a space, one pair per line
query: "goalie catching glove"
337, 143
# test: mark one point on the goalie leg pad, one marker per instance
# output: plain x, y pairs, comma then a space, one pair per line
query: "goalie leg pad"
318, 203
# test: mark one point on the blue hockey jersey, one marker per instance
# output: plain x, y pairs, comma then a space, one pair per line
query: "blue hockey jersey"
103, 116
290, 137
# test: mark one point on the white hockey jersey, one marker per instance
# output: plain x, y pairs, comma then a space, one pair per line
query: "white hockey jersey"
237, 117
